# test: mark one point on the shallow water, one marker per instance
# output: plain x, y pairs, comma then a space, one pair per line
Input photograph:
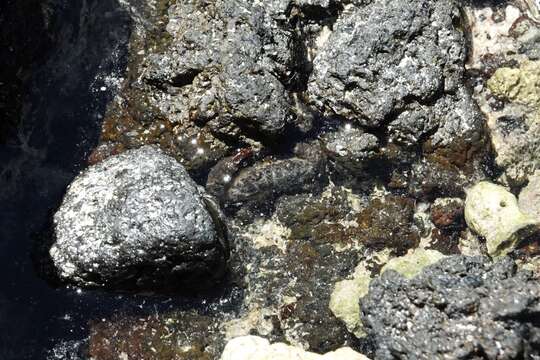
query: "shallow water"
65, 100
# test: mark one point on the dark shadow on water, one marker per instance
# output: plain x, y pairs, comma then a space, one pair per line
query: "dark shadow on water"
63, 101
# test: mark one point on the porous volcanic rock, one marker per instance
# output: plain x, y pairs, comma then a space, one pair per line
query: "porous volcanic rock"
459, 308
137, 220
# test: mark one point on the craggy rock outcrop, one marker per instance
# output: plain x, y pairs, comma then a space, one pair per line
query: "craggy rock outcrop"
385, 55
137, 220
267, 76
460, 308
325, 129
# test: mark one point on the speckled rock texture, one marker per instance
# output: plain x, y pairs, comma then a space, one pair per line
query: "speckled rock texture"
332, 133
385, 55
239, 77
460, 308
137, 220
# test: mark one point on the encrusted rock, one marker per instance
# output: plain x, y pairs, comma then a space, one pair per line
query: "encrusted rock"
256, 348
515, 132
344, 299
521, 85
447, 212
529, 197
492, 212
460, 308
411, 264
137, 220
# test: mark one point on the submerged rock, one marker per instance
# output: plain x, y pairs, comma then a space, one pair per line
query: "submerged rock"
460, 308
176, 335
256, 348
387, 222
492, 212
137, 220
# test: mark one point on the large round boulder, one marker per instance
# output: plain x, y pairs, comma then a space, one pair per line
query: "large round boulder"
137, 220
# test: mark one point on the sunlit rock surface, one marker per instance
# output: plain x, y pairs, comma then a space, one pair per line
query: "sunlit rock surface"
138, 220
458, 308
332, 134
255, 348
493, 212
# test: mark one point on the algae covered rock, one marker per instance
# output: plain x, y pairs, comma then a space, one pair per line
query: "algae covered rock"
459, 308
447, 213
529, 197
137, 220
518, 84
411, 264
387, 223
516, 129
493, 212
256, 348
347, 294
344, 300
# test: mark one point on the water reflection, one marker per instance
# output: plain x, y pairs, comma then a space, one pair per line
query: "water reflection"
60, 122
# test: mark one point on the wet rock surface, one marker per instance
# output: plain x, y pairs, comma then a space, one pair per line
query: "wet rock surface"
138, 220
336, 141
462, 307
370, 66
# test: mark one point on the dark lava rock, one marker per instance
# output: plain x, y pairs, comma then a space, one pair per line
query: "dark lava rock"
237, 74
227, 66
350, 148
460, 308
137, 220
385, 54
